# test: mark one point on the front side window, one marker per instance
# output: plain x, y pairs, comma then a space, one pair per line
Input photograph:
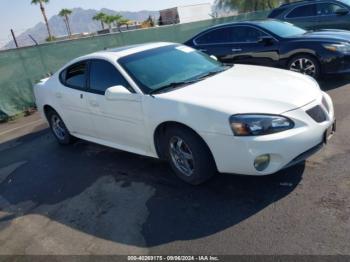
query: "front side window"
328, 8
303, 11
104, 75
157, 68
246, 34
75, 76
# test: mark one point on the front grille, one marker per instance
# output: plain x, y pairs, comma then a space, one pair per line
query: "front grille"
317, 114
325, 104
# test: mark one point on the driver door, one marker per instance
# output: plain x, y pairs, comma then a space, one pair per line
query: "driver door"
119, 121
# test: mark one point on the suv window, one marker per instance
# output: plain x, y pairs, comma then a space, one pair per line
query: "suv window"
303, 11
75, 76
232, 34
328, 8
276, 12
104, 75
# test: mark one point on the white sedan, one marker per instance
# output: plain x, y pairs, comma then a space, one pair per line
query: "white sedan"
169, 101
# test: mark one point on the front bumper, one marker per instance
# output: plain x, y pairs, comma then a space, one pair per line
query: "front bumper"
336, 64
237, 154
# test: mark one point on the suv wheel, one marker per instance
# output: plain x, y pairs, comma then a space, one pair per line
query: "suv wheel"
306, 65
189, 156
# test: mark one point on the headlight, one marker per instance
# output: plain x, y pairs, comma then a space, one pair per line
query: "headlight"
342, 48
258, 125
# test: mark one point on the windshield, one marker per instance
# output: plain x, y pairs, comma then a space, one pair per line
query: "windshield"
282, 29
160, 67
347, 2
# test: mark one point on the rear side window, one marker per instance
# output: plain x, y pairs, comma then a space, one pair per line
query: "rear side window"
303, 11
221, 35
75, 76
104, 75
327, 8
276, 12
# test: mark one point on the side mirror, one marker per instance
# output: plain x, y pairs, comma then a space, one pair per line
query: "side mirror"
268, 40
214, 57
342, 11
117, 93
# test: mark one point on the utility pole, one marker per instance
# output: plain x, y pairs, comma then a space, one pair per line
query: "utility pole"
14, 38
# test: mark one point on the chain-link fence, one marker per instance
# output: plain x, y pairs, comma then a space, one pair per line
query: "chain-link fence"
21, 68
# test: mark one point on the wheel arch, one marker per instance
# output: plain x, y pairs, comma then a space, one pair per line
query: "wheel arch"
47, 109
159, 133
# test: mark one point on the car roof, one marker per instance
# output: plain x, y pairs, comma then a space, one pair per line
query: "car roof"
296, 3
116, 53
248, 22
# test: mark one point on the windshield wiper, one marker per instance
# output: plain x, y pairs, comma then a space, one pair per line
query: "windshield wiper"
171, 86
212, 73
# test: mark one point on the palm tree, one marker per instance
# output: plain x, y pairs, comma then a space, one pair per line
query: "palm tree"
124, 21
116, 20
65, 14
100, 17
42, 8
109, 19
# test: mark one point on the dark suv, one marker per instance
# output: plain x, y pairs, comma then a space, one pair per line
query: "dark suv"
315, 14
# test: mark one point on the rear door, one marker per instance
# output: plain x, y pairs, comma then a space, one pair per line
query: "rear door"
328, 17
304, 16
72, 99
217, 41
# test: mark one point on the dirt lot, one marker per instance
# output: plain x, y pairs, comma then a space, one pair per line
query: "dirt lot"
89, 199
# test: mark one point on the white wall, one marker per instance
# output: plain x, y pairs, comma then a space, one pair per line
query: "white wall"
194, 13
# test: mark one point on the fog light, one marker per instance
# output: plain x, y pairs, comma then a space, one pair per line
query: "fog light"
262, 162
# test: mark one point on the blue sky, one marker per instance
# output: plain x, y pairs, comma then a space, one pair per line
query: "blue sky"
21, 15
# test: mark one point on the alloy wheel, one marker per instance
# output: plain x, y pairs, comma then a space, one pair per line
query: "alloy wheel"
304, 66
181, 156
58, 127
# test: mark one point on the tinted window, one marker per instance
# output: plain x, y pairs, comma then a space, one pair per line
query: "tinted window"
221, 35
75, 75
246, 34
276, 12
233, 34
303, 11
104, 75
327, 8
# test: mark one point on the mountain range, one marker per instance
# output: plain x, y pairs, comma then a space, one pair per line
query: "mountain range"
80, 20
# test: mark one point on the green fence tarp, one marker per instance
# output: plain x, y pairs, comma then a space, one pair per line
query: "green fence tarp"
21, 68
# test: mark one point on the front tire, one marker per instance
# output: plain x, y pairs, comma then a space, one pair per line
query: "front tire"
59, 129
189, 156
305, 64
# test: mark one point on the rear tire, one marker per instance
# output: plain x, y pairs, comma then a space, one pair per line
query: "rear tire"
305, 64
58, 128
189, 156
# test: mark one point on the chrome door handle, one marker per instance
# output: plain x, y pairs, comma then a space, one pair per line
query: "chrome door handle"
203, 50
236, 50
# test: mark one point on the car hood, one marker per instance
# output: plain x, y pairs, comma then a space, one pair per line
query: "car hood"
331, 35
250, 89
